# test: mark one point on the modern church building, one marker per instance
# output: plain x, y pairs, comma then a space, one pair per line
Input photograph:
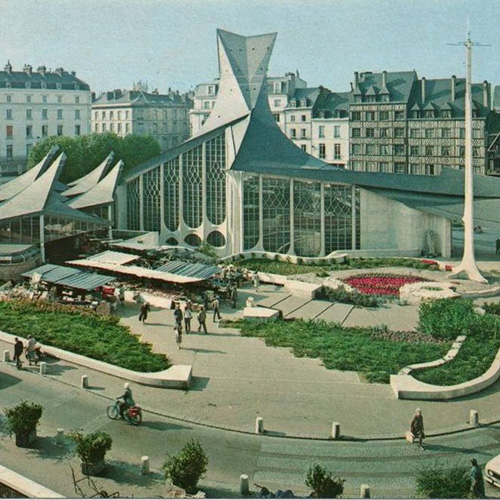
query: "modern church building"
241, 185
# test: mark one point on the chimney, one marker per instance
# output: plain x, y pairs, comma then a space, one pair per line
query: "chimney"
423, 90
59, 71
42, 70
8, 67
384, 78
73, 73
28, 69
356, 79
485, 93
453, 88
352, 86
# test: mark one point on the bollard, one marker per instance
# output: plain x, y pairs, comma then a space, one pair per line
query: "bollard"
85, 382
335, 430
60, 437
43, 368
6, 356
259, 425
145, 465
364, 491
474, 418
244, 488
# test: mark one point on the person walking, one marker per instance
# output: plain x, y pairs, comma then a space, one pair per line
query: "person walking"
30, 350
178, 334
143, 315
187, 318
18, 351
216, 307
256, 281
477, 481
202, 318
178, 314
417, 427
121, 295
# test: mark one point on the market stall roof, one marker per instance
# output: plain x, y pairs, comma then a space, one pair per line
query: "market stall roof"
110, 257
140, 272
69, 277
196, 270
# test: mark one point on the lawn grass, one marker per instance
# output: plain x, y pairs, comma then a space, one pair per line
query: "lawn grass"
287, 268
80, 331
364, 350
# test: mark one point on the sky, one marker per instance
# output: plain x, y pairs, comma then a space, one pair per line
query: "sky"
172, 43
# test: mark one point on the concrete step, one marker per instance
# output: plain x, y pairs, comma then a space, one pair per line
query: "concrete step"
337, 313
310, 310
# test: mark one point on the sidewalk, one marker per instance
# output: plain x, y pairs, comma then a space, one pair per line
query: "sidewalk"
237, 379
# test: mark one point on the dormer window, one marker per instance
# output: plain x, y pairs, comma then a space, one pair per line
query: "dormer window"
303, 102
27, 85
446, 113
429, 113
277, 87
58, 86
370, 98
293, 103
211, 90
384, 98
44, 85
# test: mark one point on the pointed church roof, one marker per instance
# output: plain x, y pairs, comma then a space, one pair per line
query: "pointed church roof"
102, 193
20, 183
44, 199
243, 63
88, 181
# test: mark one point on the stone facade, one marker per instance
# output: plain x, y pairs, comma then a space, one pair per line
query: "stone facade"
124, 112
35, 105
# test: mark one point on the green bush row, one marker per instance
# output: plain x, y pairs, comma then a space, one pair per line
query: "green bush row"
345, 297
80, 331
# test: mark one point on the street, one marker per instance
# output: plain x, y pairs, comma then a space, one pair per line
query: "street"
389, 466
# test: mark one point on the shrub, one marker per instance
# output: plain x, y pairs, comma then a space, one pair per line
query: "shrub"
188, 467
492, 308
445, 318
91, 448
439, 482
355, 298
23, 418
322, 482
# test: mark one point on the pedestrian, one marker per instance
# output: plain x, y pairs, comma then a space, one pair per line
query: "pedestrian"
202, 318
477, 482
178, 334
178, 314
143, 315
18, 350
206, 300
497, 251
121, 295
256, 281
417, 427
216, 307
187, 318
30, 350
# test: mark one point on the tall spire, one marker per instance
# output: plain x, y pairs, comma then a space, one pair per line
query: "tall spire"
468, 265
243, 63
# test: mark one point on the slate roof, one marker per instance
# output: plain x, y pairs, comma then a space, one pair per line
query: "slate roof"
101, 193
36, 80
140, 98
310, 93
335, 101
40, 197
399, 84
438, 93
88, 181
20, 183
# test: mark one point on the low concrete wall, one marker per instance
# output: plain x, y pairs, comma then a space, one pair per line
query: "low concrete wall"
407, 387
25, 486
175, 377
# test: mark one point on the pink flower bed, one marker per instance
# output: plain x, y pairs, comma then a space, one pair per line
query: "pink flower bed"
380, 284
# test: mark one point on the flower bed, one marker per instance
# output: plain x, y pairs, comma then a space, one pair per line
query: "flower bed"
380, 284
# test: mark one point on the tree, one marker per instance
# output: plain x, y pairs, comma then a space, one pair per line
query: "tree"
323, 484
85, 152
188, 467
438, 482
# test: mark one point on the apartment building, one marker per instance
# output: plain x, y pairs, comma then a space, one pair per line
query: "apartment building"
38, 104
164, 116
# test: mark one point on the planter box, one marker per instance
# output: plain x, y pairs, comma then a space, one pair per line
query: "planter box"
26, 440
94, 469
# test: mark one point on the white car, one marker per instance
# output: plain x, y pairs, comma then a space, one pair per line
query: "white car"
492, 471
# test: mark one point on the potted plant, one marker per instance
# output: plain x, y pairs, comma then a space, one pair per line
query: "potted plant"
323, 484
91, 448
188, 467
22, 421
